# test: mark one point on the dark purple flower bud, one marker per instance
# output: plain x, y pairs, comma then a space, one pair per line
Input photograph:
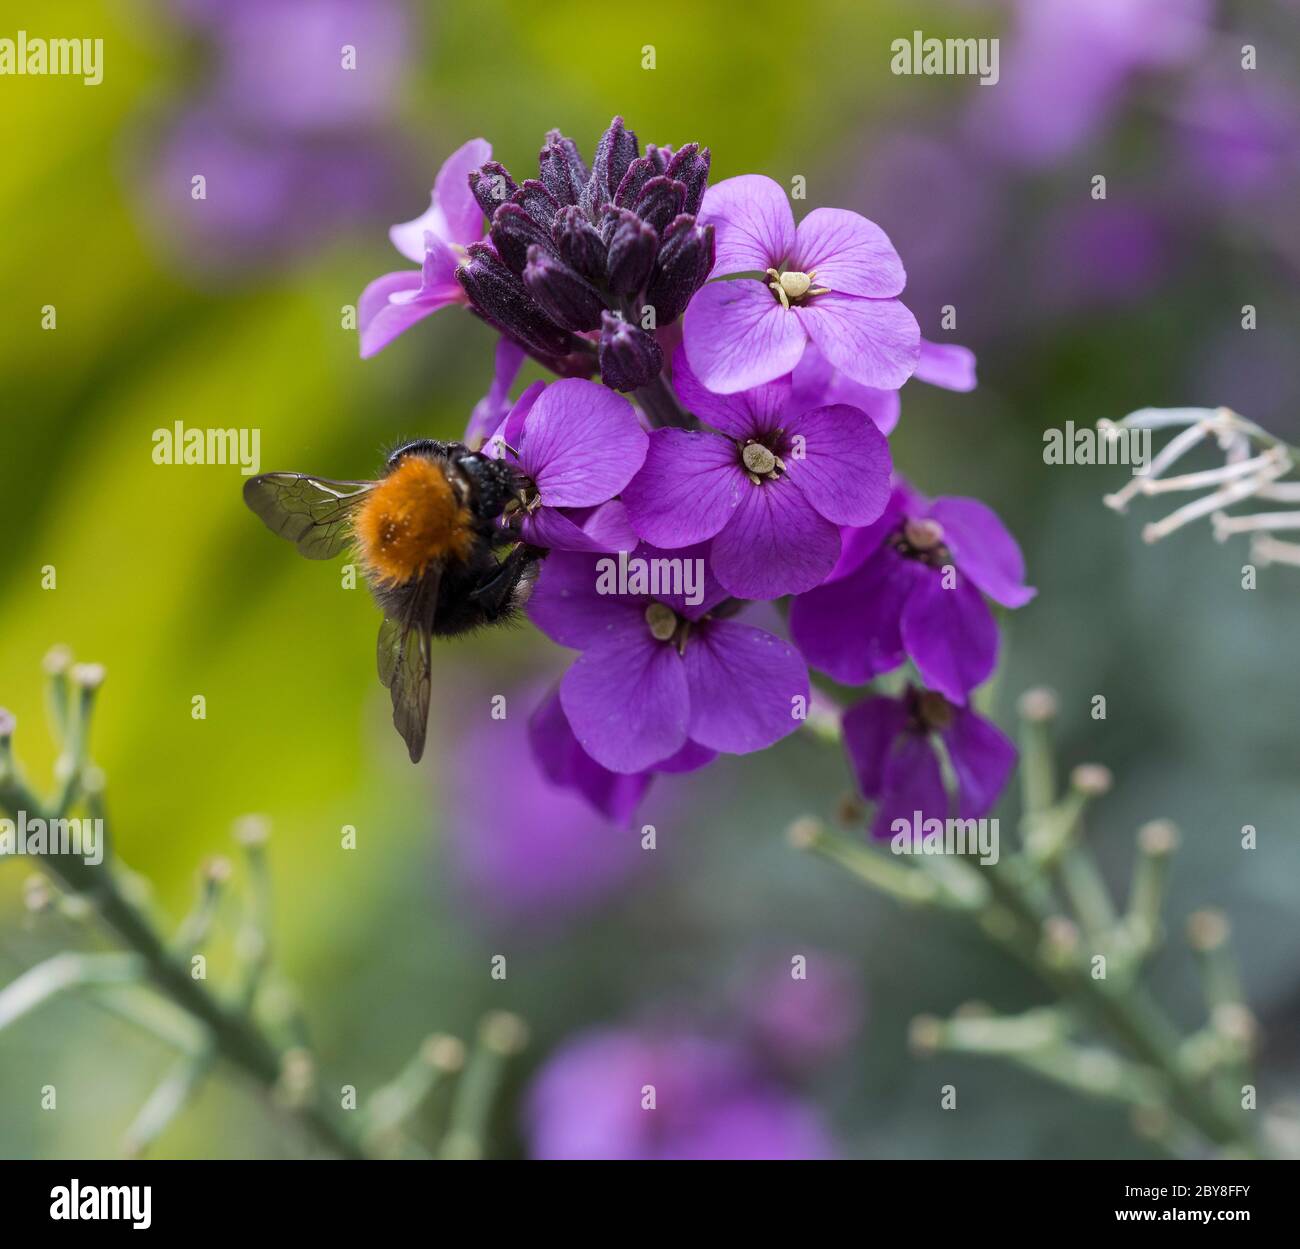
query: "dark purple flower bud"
502, 299
563, 171
616, 150
639, 172
561, 292
579, 243
661, 199
633, 246
629, 357
514, 231
492, 186
538, 202
691, 167
658, 157
682, 268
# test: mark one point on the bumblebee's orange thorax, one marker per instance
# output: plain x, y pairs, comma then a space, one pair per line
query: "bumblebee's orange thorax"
410, 519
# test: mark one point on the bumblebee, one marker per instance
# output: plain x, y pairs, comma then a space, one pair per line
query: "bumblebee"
426, 535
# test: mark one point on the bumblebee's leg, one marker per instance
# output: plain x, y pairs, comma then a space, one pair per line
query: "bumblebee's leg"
495, 592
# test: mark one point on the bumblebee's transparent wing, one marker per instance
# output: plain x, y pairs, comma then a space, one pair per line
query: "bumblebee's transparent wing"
312, 512
404, 667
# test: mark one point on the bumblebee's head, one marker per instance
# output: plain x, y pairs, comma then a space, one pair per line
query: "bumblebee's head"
493, 483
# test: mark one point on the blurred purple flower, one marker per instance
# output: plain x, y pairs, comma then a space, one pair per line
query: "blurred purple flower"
769, 485
277, 123
525, 849
838, 275
1066, 67
579, 444
437, 241
710, 1102
1097, 253
890, 748
1239, 135
910, 585
281, 61
255, 184
657, 672
799, 1024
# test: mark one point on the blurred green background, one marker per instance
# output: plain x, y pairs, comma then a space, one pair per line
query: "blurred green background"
165, 578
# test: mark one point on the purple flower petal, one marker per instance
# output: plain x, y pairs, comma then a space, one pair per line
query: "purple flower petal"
870, 729
816, 384
511, 431
946, 365
844, 467
551, 528
380, 320
453, 214
982, 757
776, 543
563, 762
688, 488
711, 593
873, 341
691, 758
857, 545
566, 607
848, 253
582, 443
627, 700
741, 415
913, 782
752, 222
849, 629
608, 525
743, 686
493, 408
737, 336
951, 636
983, 549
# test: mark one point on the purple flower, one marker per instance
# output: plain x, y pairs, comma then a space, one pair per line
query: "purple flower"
531, 851
910, 585
1238, 135
280, 61
255, 184
624, 1094
816, 382
800, 1023
833, 280
892, 753
437, 241
769, 485
578, 444
1069, 64
615, 795
661, 665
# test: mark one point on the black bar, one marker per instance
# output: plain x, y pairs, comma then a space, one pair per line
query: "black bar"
339, 1198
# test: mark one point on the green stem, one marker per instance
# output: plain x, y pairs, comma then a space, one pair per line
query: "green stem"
235, 1036
660, 405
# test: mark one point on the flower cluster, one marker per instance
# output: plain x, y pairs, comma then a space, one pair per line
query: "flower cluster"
746, 461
